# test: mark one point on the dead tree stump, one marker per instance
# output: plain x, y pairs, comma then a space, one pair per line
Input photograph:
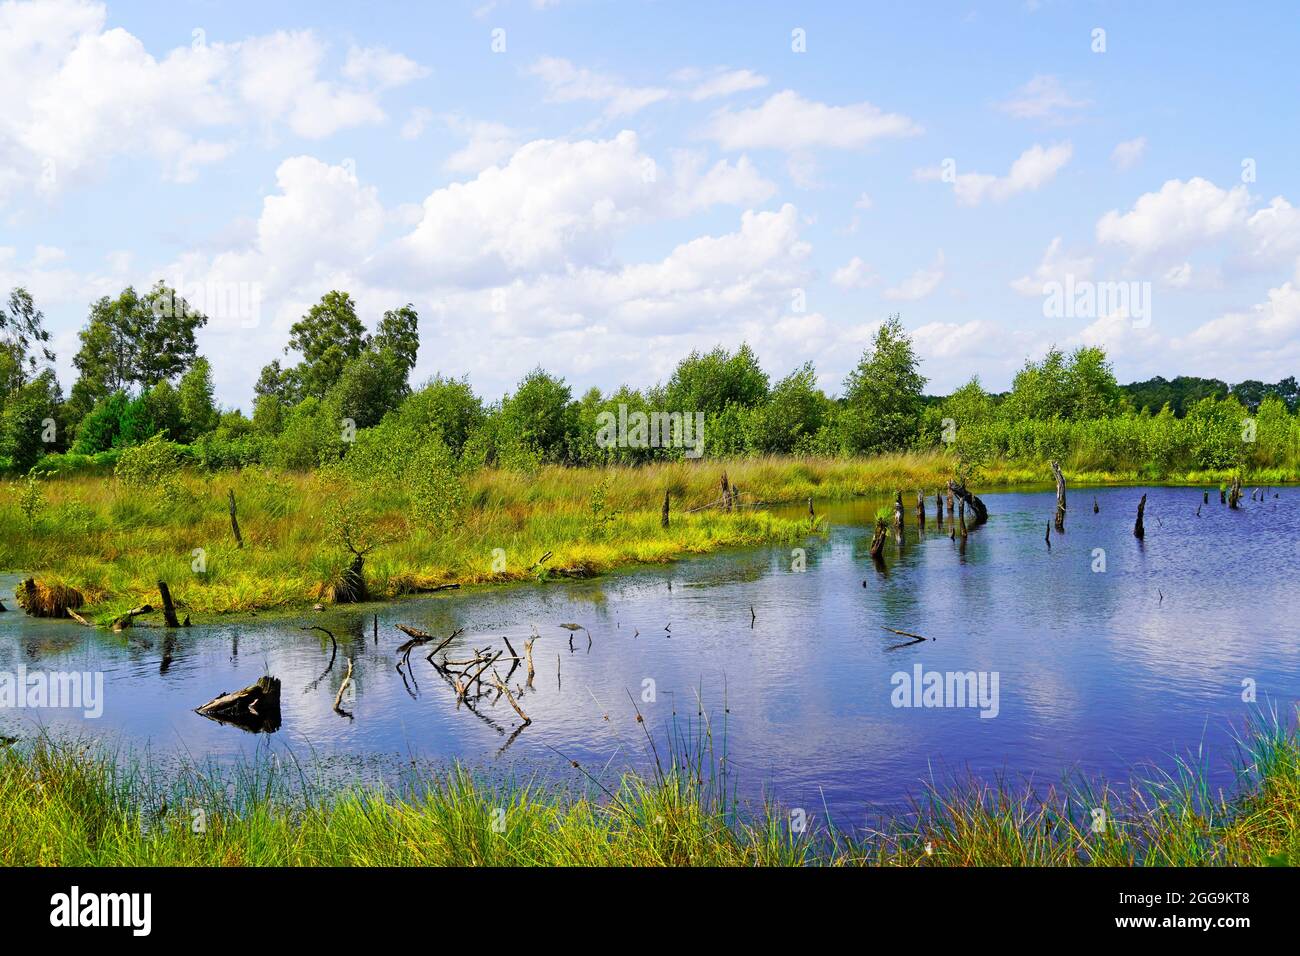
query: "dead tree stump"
1139, 531
234, 522
169, 609
256, 708
1060, 496
663, 518
920, 510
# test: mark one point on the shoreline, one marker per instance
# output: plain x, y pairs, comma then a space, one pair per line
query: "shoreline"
113, 544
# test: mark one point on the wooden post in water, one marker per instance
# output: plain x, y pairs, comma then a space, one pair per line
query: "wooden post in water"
961, 518
878, 540
1234, 493
169, 609
920, 509
1060, 496
812, 515
726, 493
663, 518
1139, 531
938, 509
1095, 507
898, 515
1206, 499
950, 504
234, 522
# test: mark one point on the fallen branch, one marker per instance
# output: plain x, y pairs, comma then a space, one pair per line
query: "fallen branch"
338, 698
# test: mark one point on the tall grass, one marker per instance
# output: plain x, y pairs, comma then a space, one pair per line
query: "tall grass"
74, 804
114, 542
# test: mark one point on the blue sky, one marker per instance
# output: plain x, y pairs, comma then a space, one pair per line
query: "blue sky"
616, 184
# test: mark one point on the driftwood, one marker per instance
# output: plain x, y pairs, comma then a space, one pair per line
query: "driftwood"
1060, 496
1139, 531
169, 609
338, 698
981, 513
256, 708
1048, 536
510, 698
234, 522
126, 620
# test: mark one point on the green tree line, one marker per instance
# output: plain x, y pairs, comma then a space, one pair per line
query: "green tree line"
343, 393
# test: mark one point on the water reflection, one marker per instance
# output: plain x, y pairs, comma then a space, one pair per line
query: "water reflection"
1099, 670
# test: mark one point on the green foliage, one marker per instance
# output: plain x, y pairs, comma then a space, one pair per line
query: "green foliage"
29, 423
710, 382
536, 421
23, 339
370, 386
198, 410
600, 514
1080, 385
137, 340
882, 395
153, 465
328, 337
31, 500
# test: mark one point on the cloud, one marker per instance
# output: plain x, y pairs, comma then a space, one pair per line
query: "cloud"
74, 95
415, 124
1034, 168
567, 83
855, 274
919, 284
725, 83
1043, 98
488, 143
1054, 267
786, 121
379, 68
1129, 153
1181, 214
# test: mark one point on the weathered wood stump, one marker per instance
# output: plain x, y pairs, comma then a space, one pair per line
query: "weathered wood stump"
878, 539
256, 708
1234, 493
976, 506
1060, 496
1139, 531
898, 515
663, 518
920, 509
169, 609
234, 522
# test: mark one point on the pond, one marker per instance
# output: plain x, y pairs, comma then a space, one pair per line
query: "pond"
1099, 656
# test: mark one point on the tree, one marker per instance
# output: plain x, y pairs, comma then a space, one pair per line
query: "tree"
1094, 393
710, 382
536, 417
447, 406
23, 339
794, 411
370, 386
29, 425
198, 410
882, 395
134, 340
399, 333
328, 337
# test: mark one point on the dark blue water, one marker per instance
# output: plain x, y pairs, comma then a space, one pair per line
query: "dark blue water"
1100, 673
